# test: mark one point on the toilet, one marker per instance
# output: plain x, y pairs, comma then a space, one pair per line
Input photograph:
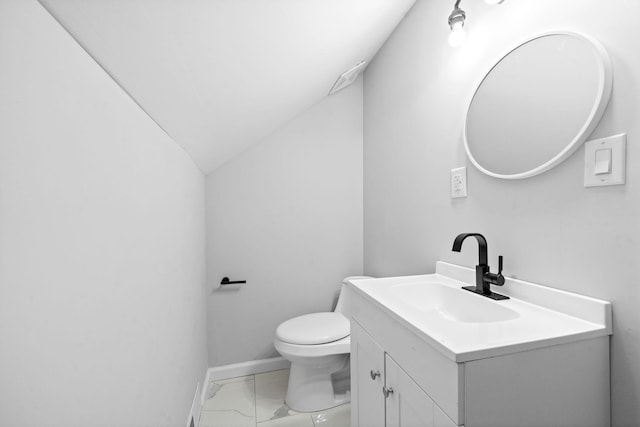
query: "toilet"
318, 346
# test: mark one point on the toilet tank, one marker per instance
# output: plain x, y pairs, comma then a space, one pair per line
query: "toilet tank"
342, 306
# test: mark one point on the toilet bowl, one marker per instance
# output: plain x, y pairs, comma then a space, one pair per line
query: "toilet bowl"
318, 347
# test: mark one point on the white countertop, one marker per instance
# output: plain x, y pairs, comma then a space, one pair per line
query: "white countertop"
465, 326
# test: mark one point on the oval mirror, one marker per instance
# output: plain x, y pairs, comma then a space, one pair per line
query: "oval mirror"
537, 105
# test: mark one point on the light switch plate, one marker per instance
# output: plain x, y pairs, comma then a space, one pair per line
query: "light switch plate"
618, 146
458, 182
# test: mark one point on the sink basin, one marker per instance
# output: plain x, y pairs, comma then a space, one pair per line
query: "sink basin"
465, 326
454, 304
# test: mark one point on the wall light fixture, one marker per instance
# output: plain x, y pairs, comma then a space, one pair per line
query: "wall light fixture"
456, 23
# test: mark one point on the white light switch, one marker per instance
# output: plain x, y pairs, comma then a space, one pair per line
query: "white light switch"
605, 161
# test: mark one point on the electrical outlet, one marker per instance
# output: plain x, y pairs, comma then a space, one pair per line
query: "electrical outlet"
458, 183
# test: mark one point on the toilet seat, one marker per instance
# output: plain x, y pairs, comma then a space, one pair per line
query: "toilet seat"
314, 329
342, 346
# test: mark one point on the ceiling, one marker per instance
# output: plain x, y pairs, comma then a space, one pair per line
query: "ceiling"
220, 75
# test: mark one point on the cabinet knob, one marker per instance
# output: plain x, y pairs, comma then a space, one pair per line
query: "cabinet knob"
374, 374
387, 391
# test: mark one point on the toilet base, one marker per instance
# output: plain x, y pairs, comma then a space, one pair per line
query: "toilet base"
311, 386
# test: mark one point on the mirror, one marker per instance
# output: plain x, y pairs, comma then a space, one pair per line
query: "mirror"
537, 105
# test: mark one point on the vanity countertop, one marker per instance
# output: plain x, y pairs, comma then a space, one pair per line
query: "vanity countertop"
465, 326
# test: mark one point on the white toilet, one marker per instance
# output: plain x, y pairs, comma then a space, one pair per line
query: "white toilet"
317, 345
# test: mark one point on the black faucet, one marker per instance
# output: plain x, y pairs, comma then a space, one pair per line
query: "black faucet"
484, 277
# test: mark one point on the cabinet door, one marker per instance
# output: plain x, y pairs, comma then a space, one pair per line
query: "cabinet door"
367, 379
440, 419
407, 404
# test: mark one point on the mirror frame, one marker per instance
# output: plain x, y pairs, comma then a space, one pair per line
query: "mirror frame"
605, 85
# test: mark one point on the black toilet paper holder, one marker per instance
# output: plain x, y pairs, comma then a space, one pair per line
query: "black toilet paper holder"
226, 281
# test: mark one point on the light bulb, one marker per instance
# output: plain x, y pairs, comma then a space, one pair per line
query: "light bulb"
458, 34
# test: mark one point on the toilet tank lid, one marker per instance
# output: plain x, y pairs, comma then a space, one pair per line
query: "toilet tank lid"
347, 280
315, 328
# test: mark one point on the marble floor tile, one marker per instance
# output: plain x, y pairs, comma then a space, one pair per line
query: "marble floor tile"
258, 401
228, 418
295, 420
271, 390
340, 416
214, 385
230, 404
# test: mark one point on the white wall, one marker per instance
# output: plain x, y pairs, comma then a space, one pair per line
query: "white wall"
287, 217
549, 228
102, 312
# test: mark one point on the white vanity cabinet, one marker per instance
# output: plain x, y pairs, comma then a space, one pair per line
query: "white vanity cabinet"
383, 393
481, 377
406, 405
368, 375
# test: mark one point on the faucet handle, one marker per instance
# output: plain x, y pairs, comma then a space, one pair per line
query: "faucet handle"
495, 278
499, 278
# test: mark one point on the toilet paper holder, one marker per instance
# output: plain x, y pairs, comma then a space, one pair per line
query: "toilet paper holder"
226, 281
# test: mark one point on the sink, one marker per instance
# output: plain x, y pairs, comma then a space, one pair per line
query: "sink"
454, 304
465, 326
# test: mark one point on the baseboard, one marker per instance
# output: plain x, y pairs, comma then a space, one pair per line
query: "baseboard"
196, 408
242, 369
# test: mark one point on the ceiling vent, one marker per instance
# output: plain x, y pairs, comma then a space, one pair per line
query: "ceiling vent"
347, 78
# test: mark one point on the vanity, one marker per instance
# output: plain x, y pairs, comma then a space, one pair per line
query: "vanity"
424, 352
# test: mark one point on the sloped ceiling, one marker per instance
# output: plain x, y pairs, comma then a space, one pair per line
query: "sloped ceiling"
220, 75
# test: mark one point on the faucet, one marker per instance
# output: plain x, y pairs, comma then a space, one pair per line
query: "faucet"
484, 277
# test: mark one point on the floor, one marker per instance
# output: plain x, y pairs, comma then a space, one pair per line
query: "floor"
258, 401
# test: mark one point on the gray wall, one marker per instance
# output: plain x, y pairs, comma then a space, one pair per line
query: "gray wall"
287, 217
102, 313
550, 228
